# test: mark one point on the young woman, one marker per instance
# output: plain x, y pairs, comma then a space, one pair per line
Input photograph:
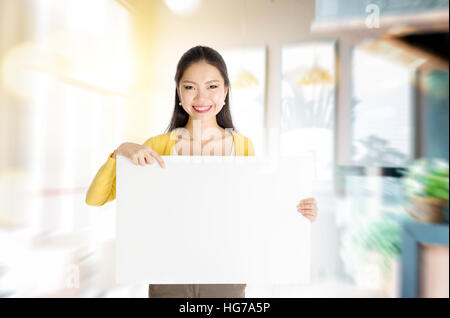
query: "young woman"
201, 125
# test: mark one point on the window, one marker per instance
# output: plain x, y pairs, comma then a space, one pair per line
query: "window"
307, 104
382, 109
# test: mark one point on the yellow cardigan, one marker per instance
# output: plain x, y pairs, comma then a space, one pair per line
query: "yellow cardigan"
103, 187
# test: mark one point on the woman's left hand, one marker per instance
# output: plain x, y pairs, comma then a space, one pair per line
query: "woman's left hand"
308, 208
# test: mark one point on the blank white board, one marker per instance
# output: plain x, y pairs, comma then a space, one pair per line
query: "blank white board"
213, 220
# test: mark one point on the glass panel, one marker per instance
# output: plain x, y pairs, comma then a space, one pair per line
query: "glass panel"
247, 73
307, 104
382, 132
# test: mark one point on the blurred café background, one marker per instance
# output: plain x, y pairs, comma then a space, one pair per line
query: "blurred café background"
361, 85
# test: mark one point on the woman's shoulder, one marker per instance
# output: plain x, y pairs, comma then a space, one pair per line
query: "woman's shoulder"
159, 138
244, 145
240, 136
161, 143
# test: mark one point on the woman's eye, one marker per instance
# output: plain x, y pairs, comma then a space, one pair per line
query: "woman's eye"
213, 86
188, 87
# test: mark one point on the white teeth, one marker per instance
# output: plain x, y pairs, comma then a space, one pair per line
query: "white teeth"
202, 108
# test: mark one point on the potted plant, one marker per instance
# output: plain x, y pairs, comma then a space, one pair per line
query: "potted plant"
379, 241
426, 183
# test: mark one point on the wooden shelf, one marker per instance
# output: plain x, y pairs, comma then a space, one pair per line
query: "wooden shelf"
413, 235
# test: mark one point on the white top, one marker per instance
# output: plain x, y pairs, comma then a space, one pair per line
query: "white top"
174, 153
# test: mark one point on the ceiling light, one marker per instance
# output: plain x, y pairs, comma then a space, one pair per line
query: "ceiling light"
183, 7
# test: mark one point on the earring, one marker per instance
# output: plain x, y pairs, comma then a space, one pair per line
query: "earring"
179, 103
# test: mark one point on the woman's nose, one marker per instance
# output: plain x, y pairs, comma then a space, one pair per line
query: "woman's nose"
202, 94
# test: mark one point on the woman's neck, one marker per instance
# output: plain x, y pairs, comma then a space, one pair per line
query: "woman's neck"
200, 130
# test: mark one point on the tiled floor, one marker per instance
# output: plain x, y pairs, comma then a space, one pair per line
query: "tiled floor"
332, 288
325, 289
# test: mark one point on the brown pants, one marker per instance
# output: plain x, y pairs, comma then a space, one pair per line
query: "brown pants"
196, 291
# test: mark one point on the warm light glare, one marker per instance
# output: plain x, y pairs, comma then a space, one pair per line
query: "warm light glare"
183, 7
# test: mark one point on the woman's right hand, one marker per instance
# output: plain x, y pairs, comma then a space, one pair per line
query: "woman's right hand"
139, 154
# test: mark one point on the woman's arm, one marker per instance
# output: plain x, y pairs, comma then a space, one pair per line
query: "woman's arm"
103, 187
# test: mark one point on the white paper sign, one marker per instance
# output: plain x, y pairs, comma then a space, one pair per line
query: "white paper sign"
213, 220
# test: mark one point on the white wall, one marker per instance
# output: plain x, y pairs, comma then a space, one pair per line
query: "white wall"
12, 129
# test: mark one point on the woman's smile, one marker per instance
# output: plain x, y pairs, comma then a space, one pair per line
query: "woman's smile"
202, 109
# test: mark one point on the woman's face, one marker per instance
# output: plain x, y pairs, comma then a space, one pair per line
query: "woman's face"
202, 91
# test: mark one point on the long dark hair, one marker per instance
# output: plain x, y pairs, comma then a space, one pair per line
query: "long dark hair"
212, 57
